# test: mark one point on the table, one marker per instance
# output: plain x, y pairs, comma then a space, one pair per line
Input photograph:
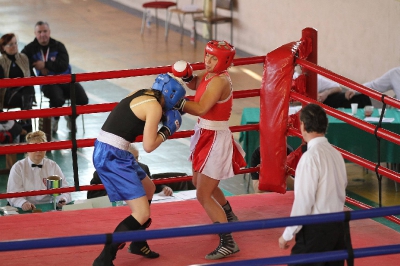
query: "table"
339, 134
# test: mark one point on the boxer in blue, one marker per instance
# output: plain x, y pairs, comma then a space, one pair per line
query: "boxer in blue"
138, 114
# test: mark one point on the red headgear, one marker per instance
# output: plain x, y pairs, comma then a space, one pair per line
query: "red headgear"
223, 51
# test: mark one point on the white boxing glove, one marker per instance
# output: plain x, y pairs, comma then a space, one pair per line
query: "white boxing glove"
183, 70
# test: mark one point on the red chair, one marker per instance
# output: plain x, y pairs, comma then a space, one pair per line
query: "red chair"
156, 5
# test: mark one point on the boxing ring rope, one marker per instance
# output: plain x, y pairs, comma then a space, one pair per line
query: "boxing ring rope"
195, 230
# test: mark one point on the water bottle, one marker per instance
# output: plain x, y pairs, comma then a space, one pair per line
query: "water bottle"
118, 203
149, 19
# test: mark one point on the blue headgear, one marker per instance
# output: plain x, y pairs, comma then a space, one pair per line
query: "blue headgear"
171, 88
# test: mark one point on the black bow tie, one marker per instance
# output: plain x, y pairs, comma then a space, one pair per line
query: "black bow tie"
37, 165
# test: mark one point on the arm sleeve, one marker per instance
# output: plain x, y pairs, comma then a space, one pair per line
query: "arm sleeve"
30, 58
15, 184
324, 83
61, 62
159, 188
305, 190
66, 196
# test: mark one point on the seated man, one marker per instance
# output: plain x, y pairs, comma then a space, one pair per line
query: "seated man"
255, 161
50, 57
388, 81
331, 94
31, 174
175, 186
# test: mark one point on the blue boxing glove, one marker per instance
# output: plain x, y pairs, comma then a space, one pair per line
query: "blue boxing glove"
171, 124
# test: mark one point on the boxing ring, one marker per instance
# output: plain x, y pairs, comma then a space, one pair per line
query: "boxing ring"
276, 92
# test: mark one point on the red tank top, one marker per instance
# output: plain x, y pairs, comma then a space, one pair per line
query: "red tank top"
221, 111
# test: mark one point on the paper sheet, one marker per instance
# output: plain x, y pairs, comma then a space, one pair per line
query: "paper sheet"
177, 196
376, 119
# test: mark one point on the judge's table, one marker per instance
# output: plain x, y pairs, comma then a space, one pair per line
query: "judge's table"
339, 134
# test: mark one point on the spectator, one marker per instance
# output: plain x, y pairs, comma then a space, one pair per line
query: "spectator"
31, 174
10, 132
330, 93
164, 188
388, 81
50, 57
15, 65
320, 187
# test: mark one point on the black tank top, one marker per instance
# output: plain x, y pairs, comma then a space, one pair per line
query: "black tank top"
123, 122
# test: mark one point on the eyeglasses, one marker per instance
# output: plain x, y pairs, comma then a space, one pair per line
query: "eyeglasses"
11, 44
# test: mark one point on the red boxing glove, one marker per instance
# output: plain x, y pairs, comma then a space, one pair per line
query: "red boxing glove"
183, 70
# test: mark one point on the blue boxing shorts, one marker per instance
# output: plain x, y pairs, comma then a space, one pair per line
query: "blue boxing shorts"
119, 172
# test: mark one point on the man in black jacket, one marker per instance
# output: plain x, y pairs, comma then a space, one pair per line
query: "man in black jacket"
50, 57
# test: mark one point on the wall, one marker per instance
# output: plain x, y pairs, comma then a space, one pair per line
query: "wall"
358, 39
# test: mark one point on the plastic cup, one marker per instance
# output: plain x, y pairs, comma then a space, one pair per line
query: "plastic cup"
368, 110
354, 107
380, 112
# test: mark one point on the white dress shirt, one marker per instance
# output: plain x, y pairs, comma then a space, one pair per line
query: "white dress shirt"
24, 177
388, 81
320, 185
324, 83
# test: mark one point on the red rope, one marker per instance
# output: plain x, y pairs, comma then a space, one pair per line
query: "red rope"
348, 83
84, 188
364, 206
381, 132
80, 77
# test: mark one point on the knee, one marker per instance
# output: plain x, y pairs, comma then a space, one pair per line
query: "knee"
194, 181
56, 101
81, 98
202, 197
141, 216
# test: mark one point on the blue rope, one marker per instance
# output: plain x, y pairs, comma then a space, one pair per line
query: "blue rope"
141, 235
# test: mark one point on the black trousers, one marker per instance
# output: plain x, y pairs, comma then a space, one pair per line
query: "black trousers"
337, 100
22, 97
58, 93
320, 238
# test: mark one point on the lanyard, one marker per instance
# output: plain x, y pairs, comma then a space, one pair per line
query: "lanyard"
45, 56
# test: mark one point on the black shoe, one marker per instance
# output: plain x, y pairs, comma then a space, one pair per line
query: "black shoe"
100, 262
142, 248
231, 217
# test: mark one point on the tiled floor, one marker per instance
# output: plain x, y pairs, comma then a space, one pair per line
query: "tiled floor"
100, 37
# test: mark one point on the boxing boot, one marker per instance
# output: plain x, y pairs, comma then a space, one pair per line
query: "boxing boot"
141, 247
227, 246
109, 251
230, 216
